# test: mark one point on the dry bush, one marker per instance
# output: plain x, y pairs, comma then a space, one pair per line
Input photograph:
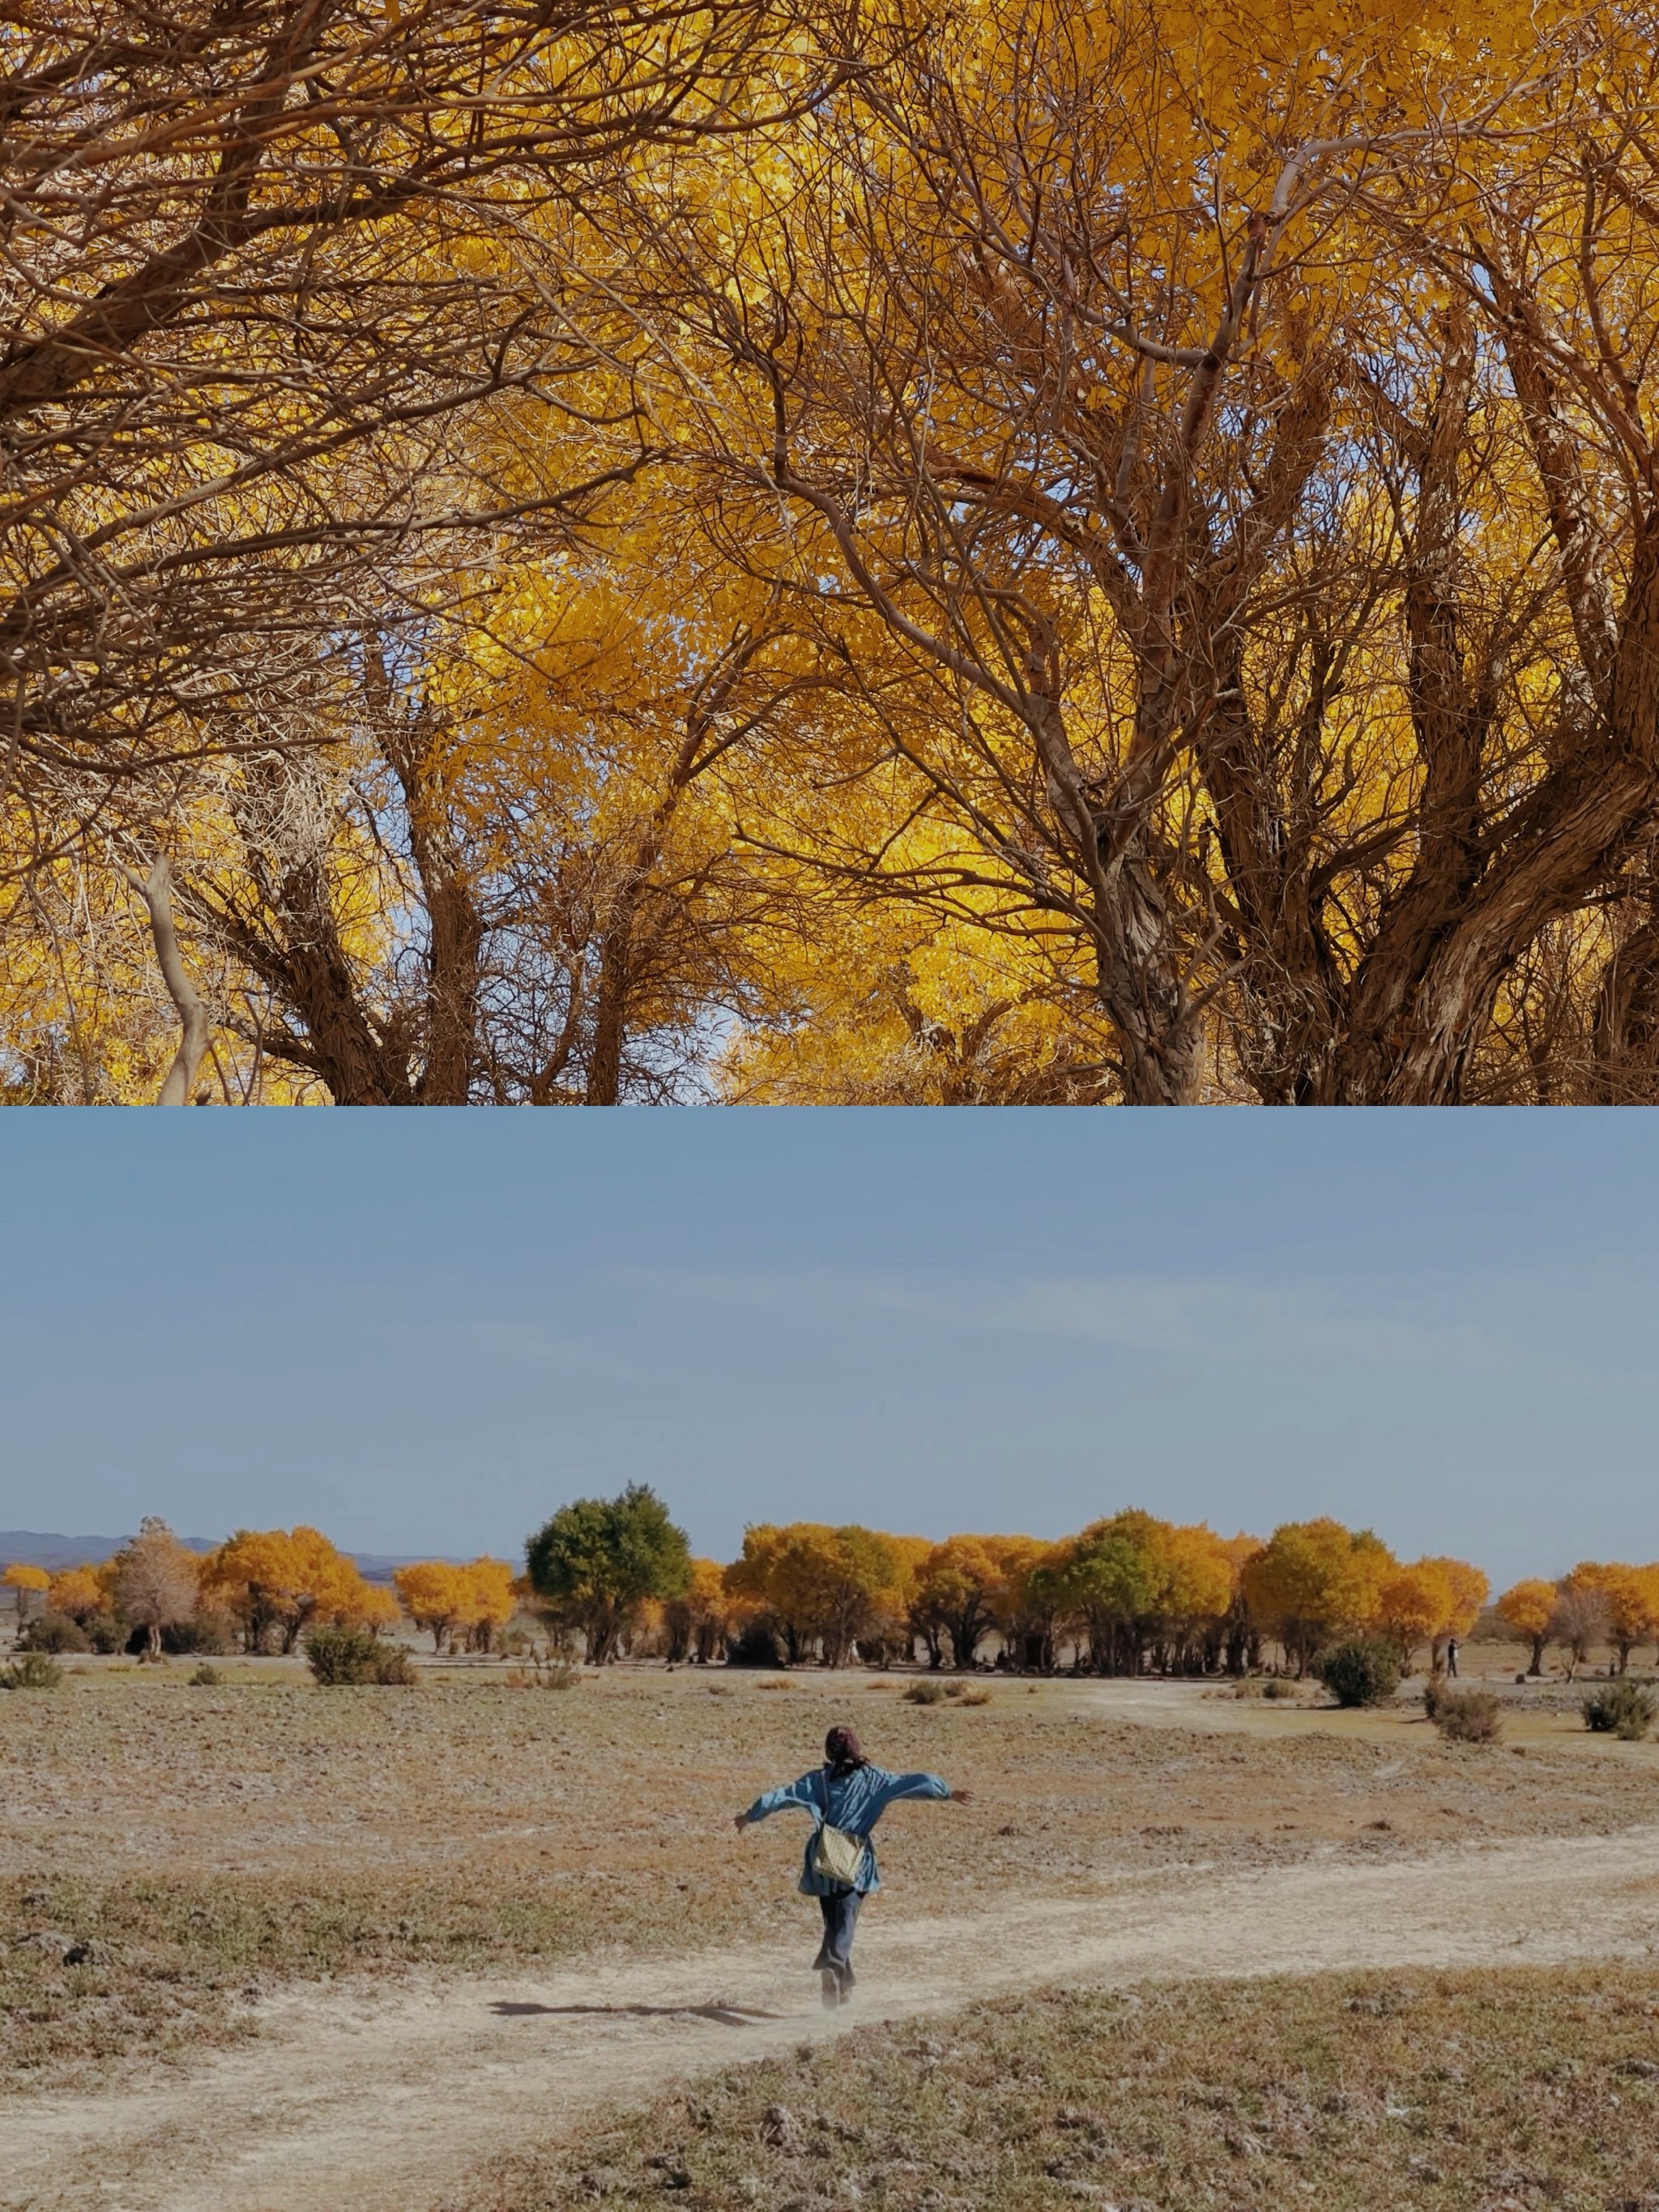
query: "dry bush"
1468, 1715
1623, 1708
342, 1656
53, 1632
1362, 1671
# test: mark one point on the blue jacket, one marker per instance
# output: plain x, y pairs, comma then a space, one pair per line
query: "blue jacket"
853, 1803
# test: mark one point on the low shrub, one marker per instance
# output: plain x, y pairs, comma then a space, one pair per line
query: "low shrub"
1468, 1715
339, 1657
53, 1631
1364, 1671
104, 1632
925, 1693
956, 1689
35, 1670
1277, 1686
1623, 1708
206, 1677
207, 1633
976, 1698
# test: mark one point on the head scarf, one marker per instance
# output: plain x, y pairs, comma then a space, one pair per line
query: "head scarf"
842, 1749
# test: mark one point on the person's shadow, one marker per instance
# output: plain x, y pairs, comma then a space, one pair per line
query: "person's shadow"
726, 2015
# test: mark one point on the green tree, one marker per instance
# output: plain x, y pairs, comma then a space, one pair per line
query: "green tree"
599, 1559
1117, 1575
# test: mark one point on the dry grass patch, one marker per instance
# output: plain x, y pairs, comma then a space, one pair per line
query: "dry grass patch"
94, 1977
1444, 2093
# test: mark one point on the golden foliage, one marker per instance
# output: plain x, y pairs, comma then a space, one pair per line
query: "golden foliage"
1631, 1598
1093, 555
1526, 1607
77, 1593
283, 1579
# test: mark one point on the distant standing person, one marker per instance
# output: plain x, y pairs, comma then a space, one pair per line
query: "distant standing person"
847, 1796
1451, 1656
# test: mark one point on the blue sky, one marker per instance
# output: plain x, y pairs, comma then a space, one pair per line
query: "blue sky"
422, 1332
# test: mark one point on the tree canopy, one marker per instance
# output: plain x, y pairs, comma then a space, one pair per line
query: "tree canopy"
156, 1580
774, 552
598, 1560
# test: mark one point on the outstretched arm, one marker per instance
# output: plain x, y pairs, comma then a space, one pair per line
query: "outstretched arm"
916, 1785
804, 1793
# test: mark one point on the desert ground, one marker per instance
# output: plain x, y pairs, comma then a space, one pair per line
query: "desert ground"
480, 1944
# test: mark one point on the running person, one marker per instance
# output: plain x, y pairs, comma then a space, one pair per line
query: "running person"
849, 1793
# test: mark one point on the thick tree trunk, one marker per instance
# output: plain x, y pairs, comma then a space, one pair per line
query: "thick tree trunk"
611, 1006
1477, 898
1625, 1033
455, 931
1288, 976
454, 964
1160, 1035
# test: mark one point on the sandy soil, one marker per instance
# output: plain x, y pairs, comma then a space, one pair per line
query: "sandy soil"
372, 2101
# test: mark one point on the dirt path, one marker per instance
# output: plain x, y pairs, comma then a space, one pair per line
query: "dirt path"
374, 2102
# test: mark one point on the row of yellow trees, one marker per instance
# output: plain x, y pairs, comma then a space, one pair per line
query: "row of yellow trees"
1125, 1594
267, 1586
1601, 1601
1133, 1589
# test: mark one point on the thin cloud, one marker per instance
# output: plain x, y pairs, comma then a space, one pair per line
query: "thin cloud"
1175, 1316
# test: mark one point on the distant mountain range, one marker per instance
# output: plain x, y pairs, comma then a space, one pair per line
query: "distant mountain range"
31, 1548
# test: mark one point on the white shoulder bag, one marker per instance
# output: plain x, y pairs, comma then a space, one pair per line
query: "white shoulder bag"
836, 1856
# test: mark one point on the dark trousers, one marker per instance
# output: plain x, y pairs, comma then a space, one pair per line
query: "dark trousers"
840, 1917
